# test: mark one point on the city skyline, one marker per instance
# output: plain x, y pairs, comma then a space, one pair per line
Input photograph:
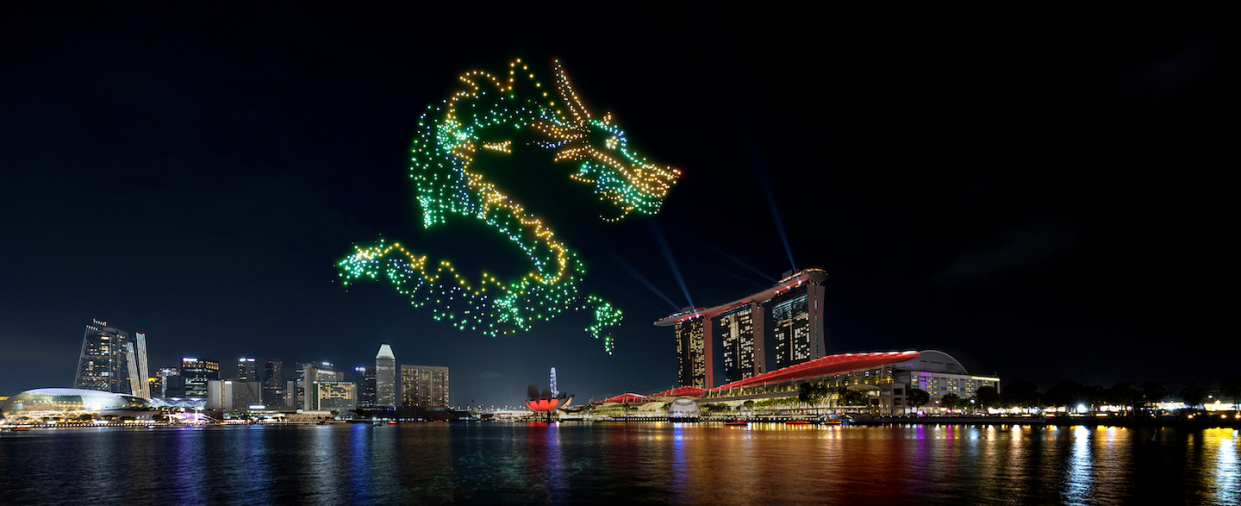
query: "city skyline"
1023, 202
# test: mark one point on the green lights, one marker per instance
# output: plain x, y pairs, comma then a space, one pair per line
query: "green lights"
450, 134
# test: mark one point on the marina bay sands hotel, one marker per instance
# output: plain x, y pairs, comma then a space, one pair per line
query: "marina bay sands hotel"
797, 313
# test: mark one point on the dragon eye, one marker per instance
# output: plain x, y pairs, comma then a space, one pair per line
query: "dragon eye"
613, 142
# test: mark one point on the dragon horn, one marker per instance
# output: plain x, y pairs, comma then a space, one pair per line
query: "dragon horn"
568, 97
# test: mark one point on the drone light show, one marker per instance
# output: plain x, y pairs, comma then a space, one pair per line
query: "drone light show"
478, 116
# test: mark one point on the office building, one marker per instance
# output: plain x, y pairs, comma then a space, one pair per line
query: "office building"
332, 396
295, 393
155, 385
694, 361
742, 331
798, 317
937, 373
273, 384
365, 378
316, 372
172, 385
290, 393
112, 361
321, 371
247, 370
229, 395
385, 378
425, 386
196, 373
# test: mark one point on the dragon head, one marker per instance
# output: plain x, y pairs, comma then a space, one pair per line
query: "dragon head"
621, 176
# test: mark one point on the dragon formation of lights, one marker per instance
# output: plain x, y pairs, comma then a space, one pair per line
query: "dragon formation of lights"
449, 135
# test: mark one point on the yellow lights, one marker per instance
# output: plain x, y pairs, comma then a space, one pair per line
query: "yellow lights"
499, 146
441, 158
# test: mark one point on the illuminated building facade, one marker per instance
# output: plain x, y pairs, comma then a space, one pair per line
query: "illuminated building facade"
247, 370
884, 379
694, 360
295, 391
112, 361
332, 395
366, 386
32, 405
155, 385
424, 385
554, 390
798, 317
741, 329
385, 378
938, 374
320, 371
935, 372
196, 373
798, 313
316, 372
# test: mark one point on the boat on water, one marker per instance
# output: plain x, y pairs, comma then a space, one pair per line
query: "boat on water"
736, 423
798, 422
20, 428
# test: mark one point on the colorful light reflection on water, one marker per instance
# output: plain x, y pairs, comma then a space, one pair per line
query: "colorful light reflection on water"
653, 463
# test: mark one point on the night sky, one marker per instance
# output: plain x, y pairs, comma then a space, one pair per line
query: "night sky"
1041, 199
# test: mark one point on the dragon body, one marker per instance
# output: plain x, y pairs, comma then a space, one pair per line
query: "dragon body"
450, 135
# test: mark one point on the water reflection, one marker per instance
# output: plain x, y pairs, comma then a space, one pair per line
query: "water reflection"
679, 475
1078, 477
622, 463
1226, 476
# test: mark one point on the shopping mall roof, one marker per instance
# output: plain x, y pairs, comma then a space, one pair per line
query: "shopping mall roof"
833, 364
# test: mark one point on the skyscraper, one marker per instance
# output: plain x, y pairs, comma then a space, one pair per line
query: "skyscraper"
798, 314
247, 370
172, 384
155, 385
694, 361
385, 378
366, 386
424, 385
318, 372
800, 330
321, 371
742, 330
102, 364
554, 390
112, 361
273, 384
138, 369
196, 374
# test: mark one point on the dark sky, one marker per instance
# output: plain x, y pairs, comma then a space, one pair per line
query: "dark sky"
1042, 199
